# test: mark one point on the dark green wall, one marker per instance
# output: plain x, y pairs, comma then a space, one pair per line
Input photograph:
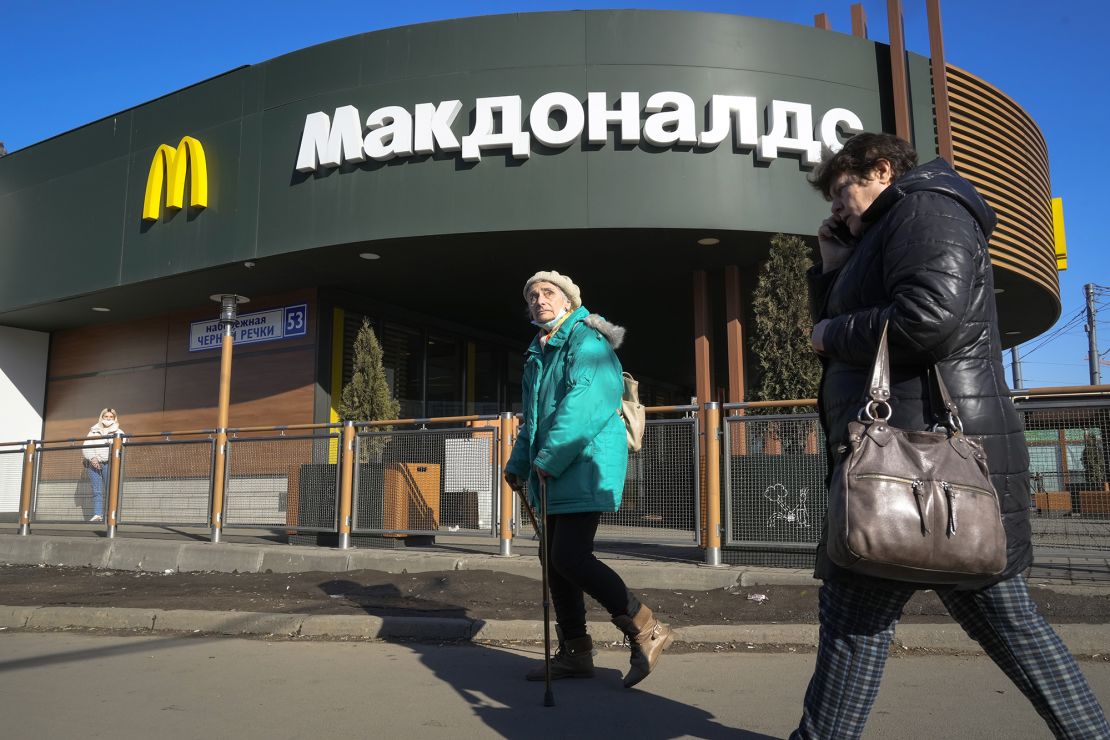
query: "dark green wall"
70, 207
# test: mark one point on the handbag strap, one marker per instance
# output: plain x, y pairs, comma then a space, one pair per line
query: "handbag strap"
879, 387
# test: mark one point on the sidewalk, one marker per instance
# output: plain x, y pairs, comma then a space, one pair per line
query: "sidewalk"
436, 595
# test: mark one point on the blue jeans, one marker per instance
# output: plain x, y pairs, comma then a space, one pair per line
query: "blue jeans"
857, 626
99, 481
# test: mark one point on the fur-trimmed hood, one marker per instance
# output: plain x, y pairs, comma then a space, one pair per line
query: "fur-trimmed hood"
607, 329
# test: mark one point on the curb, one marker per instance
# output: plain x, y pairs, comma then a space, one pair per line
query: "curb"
1081, 639
158, 556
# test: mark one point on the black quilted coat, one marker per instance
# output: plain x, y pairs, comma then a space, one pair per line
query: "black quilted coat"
922, 264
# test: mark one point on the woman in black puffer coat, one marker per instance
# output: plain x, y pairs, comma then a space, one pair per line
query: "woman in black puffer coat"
908, 245
922, 263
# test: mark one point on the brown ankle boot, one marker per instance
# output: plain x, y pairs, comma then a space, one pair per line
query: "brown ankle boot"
573, 659
649, 638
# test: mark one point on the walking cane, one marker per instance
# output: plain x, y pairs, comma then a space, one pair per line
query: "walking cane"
548, 697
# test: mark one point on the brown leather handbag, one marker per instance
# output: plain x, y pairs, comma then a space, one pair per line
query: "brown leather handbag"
913, 506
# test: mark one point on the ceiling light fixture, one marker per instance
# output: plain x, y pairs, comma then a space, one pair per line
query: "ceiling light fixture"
708, 241
1012, 333
999, 290
248, 264
101, 309
370, 256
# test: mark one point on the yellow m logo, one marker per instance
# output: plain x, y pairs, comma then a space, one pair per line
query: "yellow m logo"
189, 152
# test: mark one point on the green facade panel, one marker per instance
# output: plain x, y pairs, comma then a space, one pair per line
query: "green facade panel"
81, 193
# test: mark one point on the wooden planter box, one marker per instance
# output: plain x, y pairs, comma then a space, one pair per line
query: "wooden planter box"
1056, 502
1094, 502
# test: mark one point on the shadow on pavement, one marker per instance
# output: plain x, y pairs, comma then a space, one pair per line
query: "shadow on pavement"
491, 681
98, 653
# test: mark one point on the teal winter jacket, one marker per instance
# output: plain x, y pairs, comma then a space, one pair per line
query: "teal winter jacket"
572, 430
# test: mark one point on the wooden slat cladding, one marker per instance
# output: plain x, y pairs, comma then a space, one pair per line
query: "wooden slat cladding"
144, 369
998, 147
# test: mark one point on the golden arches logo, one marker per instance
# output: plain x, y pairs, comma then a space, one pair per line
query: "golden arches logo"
171, 165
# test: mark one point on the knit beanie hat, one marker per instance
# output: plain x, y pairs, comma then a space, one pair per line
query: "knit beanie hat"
562, 282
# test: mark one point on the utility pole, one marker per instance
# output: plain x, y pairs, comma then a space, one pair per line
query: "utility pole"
1015, 366
1092, 335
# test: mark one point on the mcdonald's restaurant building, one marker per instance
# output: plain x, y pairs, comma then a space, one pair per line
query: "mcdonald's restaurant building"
416, 176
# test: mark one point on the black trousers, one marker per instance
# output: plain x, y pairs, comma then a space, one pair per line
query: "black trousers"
574, 571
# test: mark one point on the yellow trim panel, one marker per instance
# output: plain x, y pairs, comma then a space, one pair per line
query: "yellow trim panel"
1058, 237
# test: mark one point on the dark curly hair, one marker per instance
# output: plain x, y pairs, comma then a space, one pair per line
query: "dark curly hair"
860, 155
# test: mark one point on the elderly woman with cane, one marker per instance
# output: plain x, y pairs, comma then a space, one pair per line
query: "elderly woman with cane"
574, 440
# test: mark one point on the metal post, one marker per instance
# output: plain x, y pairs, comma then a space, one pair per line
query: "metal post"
229, 304
505, 449
1015, 367
713, 483
27, 488
1092, 335
346, 484
900, 85
115, 454
940, 81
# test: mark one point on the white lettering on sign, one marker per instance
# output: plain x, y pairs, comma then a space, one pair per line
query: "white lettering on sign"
736, 112
791, 131
261, 326
390, 134
539, 119
557, 119
672, 119
484, 136
433, 127
329, 143
628, 116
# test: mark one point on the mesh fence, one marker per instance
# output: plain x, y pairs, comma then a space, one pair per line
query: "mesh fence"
424, 481
661, 490
69, 486
11, 478
166, 482
773, 486
1068, 455
288, 481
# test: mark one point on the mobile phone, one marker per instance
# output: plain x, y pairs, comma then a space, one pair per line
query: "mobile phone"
843, 234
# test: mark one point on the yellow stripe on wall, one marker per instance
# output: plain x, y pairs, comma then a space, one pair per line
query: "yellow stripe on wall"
336, 392
1059, 239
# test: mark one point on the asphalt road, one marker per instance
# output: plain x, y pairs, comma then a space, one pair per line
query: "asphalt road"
67, 685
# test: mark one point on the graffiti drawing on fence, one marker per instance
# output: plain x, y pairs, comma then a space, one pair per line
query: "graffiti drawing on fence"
780, 497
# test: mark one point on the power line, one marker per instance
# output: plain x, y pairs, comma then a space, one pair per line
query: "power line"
1072, 322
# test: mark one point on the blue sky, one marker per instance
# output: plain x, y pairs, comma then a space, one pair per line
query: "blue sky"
67, 63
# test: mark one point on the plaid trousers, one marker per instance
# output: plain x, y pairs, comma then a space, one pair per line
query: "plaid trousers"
857, 626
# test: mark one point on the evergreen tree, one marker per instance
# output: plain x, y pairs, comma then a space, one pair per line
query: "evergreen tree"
366, 397
780, 341
1094, 462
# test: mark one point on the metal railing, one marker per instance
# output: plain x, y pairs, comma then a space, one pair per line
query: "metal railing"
166, 481
661, 502
283, 478
1067, 435
750, 483
421, 482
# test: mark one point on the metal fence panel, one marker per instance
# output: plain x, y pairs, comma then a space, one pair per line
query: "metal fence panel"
11, 478
287, 481
1068, 456
773, 486
67, 489
426, 481
661, 500
166, 482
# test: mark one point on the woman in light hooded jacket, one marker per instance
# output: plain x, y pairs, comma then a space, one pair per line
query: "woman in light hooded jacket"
574, 438
96, 454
